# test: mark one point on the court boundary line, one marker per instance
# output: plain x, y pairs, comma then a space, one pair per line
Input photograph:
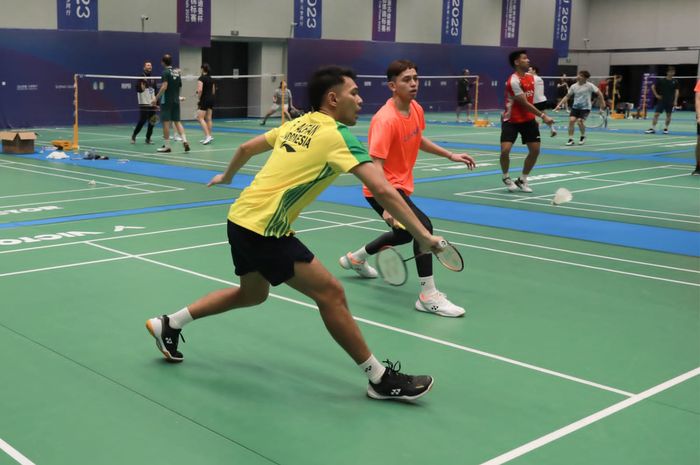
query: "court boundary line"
305, 216
14, 453
384, 326
582, 423
560, 179
569, 207
536, 246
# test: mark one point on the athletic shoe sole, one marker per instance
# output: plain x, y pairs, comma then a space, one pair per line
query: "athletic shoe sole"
155, 328
375, 395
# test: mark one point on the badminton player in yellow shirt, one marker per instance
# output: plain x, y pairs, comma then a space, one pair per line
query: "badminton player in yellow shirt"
307, 154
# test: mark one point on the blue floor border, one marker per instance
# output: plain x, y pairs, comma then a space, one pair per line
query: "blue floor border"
608, 232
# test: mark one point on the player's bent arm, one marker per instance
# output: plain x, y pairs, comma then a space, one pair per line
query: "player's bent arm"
697, 106
429, 146
244, 152
200, 87
390, 199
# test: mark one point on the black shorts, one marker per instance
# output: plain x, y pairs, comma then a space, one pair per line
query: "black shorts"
206, 104
661, 107
542, 105
580, 114
529, 131
464, 102
272, 257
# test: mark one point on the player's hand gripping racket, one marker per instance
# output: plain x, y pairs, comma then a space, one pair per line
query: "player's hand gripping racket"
392, 266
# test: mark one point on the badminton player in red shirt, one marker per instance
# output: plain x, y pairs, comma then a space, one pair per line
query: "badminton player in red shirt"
519, 118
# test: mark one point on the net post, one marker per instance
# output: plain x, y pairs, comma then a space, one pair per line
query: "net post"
476, 100
76, 146
284, 93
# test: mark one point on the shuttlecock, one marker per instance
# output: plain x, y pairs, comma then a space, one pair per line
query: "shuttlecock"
92, 182
562, 195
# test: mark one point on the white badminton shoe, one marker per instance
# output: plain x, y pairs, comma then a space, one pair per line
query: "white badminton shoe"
361, 267
438, 304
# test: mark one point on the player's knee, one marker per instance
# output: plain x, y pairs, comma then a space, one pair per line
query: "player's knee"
333, 294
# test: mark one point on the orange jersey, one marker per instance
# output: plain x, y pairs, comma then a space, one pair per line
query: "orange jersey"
697, 86
396, 139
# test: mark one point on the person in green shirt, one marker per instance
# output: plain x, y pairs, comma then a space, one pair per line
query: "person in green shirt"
169, 98
666, 92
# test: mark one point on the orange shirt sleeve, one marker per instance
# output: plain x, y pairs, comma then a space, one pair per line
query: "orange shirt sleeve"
380, 137
697, 86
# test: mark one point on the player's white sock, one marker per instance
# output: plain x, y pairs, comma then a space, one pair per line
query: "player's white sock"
506, 175
360, 254
427, 285
373, 369
180, 318
523, 177
166, 142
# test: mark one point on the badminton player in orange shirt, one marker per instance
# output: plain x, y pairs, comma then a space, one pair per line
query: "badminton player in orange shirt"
395, 136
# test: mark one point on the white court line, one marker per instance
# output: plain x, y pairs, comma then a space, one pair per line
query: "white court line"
84, 199
74, 178
91, 175
565, 178
621, 184
622, 142
607, 212
14, 453
177, 158
636, 146
59, 192
388, 327
305, 215
125, 236
646, 183
582, 423
113, 259
525, 244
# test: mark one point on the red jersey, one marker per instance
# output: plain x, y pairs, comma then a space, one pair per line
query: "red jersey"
519, 85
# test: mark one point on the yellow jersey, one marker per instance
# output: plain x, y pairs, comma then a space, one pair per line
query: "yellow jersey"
308, 154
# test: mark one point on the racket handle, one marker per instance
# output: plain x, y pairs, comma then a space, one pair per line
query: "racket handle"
443, 243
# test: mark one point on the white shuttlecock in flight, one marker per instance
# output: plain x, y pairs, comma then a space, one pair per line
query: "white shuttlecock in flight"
562, 195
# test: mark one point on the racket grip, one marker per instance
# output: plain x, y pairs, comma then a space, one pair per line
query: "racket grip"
443, 243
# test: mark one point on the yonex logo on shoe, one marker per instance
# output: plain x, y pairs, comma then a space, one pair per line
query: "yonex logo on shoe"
395, 392
168, 340
368, 369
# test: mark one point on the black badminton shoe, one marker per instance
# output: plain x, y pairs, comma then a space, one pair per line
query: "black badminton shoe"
399, 386
166, 337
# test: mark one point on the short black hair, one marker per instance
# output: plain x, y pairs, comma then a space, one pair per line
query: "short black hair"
537, 70
325, 78
397, 67
670, 68
205, 67
584, 73
512, 56
167, 59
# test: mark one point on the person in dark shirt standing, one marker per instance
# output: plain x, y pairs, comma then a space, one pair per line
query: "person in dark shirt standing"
464, 99
169, 96
146, 91
666, 92
206, 90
